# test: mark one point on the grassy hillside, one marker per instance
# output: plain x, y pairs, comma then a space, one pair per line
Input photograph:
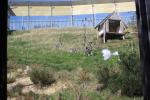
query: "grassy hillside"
51, 48
63, 49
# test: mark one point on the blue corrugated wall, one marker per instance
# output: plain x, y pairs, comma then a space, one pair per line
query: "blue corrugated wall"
25, 22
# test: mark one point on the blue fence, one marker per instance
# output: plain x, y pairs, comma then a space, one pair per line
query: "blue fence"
33, 22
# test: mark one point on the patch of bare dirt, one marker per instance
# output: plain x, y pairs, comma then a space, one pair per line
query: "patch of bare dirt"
23, 81
30, 87
58, 86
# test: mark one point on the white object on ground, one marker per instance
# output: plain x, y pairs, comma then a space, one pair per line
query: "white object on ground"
107, 54
115, 53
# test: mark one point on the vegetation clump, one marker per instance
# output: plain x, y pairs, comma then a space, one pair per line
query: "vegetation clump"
103, 74
42, 76
15, 91
130, 78
33, 48
127, 79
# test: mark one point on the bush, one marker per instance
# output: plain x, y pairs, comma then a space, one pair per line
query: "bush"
83, 75
129, 80
32, 96
103, 73
130, 67
42, 76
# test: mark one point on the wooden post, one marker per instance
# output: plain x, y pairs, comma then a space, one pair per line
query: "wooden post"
3, 49
98, 35
104, 36
84, 35
143, 22
72, 23
93, 16
28, 15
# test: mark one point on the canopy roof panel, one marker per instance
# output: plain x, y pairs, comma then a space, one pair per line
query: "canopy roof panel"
61, 2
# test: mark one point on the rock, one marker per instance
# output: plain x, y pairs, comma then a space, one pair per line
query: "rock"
11, 86
119, 93
100, 87
25, 81
27, 89
11, 75
27, 70
19, 70
72, 50
14, 98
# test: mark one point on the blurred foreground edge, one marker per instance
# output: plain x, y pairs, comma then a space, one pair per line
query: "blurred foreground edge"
3, 49
143, 22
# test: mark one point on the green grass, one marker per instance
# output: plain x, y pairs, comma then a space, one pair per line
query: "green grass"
89, 95
56, 59
17, 32
37, 49
26, 52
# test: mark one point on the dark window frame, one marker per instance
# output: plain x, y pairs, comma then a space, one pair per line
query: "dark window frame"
143, 22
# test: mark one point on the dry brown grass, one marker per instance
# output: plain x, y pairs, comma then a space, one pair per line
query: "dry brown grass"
48, 38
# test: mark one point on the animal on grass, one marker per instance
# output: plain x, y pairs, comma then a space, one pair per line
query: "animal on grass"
89, 49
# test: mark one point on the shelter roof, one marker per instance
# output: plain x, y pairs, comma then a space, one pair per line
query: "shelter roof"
114, 15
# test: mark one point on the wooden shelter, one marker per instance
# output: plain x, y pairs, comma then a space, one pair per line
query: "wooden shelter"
111, 27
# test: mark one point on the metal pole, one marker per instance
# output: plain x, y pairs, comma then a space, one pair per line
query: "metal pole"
143, 22
51, 16
93, 13
50, 13
72, 23
28, 15
115, 5
22, 23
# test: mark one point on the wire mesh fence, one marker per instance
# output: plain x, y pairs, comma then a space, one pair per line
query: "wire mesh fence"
26, 23
33, 14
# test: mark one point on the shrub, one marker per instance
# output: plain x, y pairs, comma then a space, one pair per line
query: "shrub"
83, 75
130, 66
103, 74
63, 75
42, 76
128, 80
32, 96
